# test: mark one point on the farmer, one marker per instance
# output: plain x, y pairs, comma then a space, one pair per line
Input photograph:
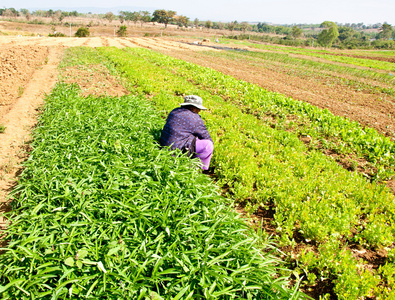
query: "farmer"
185, 130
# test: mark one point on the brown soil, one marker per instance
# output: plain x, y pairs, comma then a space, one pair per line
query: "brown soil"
19, 114
17, 64
367, 109
94, 80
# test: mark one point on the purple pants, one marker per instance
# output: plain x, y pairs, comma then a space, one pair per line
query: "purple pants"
204, 149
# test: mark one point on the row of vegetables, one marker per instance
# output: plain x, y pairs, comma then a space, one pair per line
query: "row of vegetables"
366, 59
102, 212
326, 130
370, 80
316, 201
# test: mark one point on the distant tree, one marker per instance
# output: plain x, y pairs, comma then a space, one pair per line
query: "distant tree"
109, 16
208, 24
57, 16
39, 13
328, 35
28, 16
10, 12
282, 30
49, 13
347, 33
244, 26
182, 21
136, 17
24, 11
82, 32
163, 16
145, 17
232, 25
220, 25
296, 32
196, 22
125, 15
122, 31
386, 31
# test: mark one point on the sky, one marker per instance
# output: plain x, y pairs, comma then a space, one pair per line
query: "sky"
271, 11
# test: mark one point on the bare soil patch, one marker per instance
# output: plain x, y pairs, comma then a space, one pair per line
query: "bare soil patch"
21, 118
94, 80
17, 64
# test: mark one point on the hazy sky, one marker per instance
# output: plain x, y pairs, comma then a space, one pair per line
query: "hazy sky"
275, 11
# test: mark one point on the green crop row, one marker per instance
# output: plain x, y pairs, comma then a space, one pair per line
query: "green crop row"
262, 166
333, 132
101, 212
342, 57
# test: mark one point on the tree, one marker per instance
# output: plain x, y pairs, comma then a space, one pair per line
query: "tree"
145, 17
82, 32
328, 35
208, 24
386, 31
245, 26
163, 16
196, 22
232, 25
24, 11
296, 32
182, 21
109, 16
57, 16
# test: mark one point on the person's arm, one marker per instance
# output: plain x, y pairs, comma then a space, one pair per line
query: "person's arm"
201, 130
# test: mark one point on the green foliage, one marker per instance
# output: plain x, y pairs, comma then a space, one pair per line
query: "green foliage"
386, 31
57, 34
328, 35
163, 16
263, 164
296, 32
82, 32
122, 31
2, 128
101, 211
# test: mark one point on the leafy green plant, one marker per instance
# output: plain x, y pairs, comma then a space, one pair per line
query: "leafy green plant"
2, 128
261, 162
111, 215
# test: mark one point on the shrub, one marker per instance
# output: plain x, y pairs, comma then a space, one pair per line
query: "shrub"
57, 34
122, 31
82, 32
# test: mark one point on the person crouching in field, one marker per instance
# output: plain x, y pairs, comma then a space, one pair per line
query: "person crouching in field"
185, 130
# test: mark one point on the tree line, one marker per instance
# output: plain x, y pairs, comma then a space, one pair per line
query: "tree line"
326, 34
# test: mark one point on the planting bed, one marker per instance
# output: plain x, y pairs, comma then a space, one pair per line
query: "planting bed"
335, 228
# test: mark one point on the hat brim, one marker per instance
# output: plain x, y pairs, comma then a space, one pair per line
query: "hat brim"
195, 105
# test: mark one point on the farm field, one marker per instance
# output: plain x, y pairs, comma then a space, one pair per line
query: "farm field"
309, 177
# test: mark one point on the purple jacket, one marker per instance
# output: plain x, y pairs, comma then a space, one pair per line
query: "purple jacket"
182, 125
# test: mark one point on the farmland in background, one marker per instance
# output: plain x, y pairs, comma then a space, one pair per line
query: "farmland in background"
314, 180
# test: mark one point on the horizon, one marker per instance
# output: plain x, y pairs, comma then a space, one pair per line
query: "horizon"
287, 12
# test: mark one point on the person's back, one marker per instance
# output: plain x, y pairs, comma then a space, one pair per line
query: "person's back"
185, 130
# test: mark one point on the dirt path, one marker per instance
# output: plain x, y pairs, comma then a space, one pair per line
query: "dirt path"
20, 119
